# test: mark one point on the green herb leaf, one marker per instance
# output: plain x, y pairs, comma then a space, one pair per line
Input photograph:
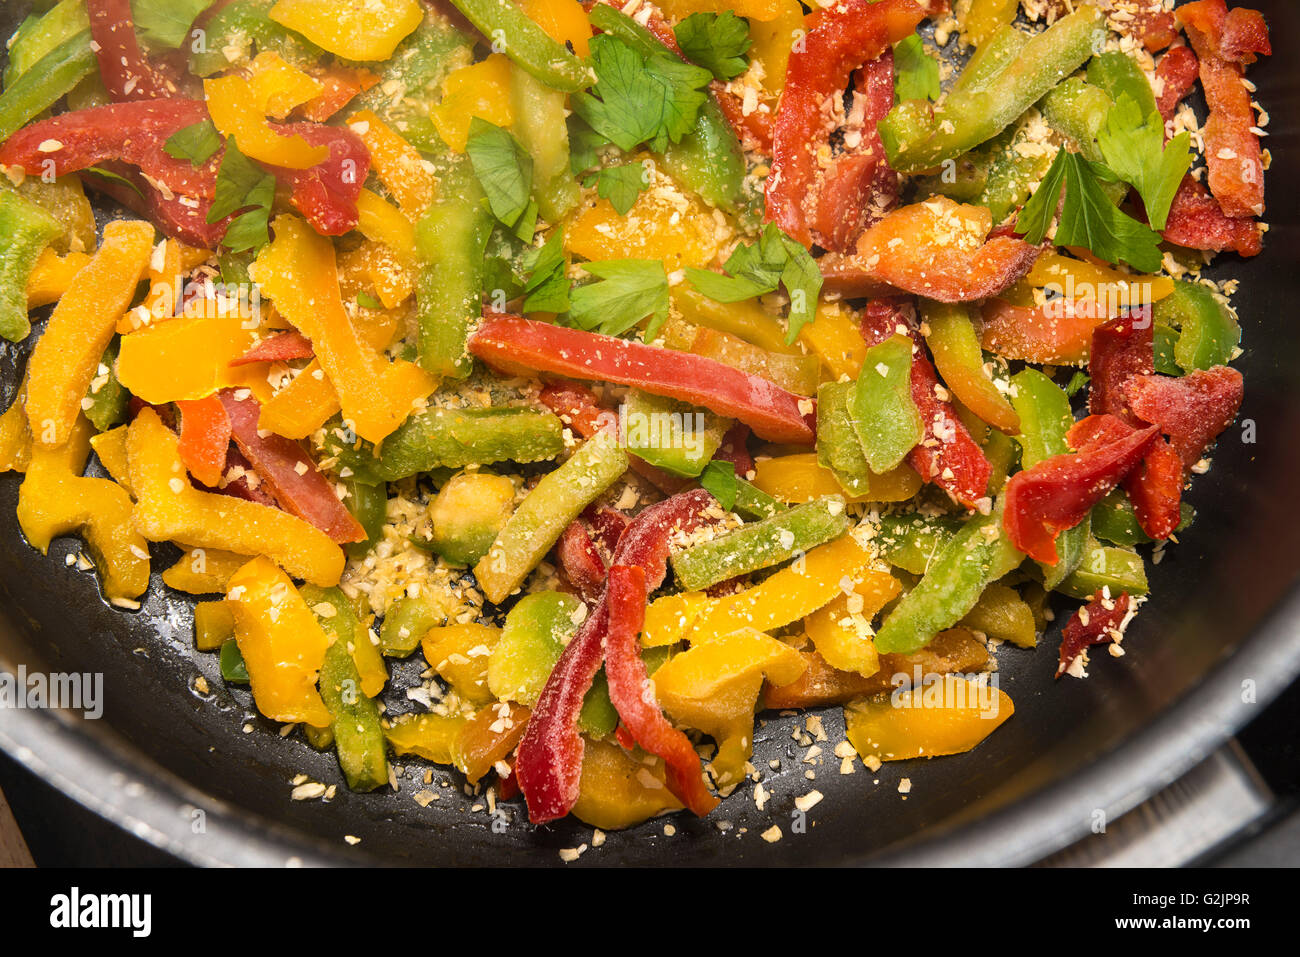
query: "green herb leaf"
719, 480
621, 185
916, 73
242, 185
166, 23
504, 170
368, 301
548, 285
114, 177
716, 41
195, 143
639, 99
1077, 382
1134, 147
628, 291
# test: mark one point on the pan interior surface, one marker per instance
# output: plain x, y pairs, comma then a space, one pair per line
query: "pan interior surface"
1219, 636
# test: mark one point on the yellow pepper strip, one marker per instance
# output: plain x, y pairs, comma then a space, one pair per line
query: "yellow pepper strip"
186, 358
298, 271
428, 736
235, 111
773, 39
481, 89
841, 631
110, 449
669, 619
762, 10
302, 406
980, 19
381, 221
949, 715
168, 264
617, 790
1076, 279
370, 664
80, 328
279, 86
460, 654
747, 320
398, 164
15, 436
52, 276
214, 622
954, 343
55, 499
169, 508
799, 478
203, 571
351, 29
281, 641
714, 687
565, 21
835, 339
675, 228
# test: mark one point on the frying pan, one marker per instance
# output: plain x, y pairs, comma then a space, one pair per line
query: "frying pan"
206, 779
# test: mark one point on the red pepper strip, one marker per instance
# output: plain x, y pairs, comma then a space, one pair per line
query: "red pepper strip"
127, 75
1121, 348
1157, 29
280, 347
1096, 623
577, 406
1056, 494
1059, 331
507, 787
1196, 221
326, 194
947, 456
341, 84
1232, 152
1155, 488
549, 765
172, 214
580, 562
859, 186
846, 36
292, 477
734, 450
132, 132
1192, 409
608, 526
628, 691
204, 438
1177, 72
525, 347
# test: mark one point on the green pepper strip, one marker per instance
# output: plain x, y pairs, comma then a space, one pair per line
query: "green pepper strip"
27, 229
1115, 521
37, 36
546, 511
838, 448
664, 433
1045, 418
108, 404
405, 623
51, 77
909, 540
540, 129
1208, 332
753, 503
881, 406
369, 506
952, 585
451, 239
245, 23
1106, 566
1116, 73
994, 56
358, 735
452, 438
760, 545
1076, 109
231, 660
709, 159
916, 141
526, 43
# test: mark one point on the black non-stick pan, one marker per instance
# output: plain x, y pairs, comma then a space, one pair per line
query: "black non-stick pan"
205, 778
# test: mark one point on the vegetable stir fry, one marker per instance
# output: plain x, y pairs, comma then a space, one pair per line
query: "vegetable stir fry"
638, 368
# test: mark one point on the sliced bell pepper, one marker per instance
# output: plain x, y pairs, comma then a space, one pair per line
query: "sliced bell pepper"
40, 87
279, 87
1192, 410
398, 164
1197, 221
280, 347
188, 358
488, 738
126, 73
526, 43
468, 514
429, 736
884, 414
797, 374
298, 272
170, 509
233, 105
671, 435
460, 654
1121, 349
369, 31
15, 436
52, 276
950, 715
1208, 332
980, 19
799, 478
55, 499
1177, 72
819, 68
839, 449
527, 347
281, 641
214, 625
747, 320
79, 330
539, 126
1002, 615
955, 345
204, 438
618, 790
28, 230
1100, 621
1106, 566
834, 338
203, 571
841, 631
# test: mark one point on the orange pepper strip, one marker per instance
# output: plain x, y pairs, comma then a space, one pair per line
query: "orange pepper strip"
280, 86
165, 273
841, 631
52, 276
15, 436
281, 642
169, 508
235, 110
205, 438
564, 22
188, 358
55, 499
110, 448
301, 407
203, 571
80, 328
380, 220
399, 165
949, 716
298, 271
800, 478
340, 85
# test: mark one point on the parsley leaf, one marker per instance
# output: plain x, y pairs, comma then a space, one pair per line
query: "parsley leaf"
242, 185
1134, 147
621, 185
548, 285
368, 301
505, 172
719, 480
628, 291
916, 73
1077, 382
757, 269
1088, 218
716, 41
195, 143
639, 99
166, 23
